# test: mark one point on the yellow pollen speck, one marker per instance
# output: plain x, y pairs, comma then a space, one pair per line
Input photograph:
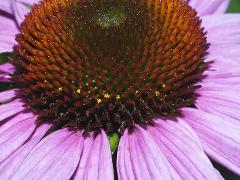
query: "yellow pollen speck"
78, 91
157, 93
45, 80
99, 101
136, 92
106, 95
60, 89
164, 85
118, 97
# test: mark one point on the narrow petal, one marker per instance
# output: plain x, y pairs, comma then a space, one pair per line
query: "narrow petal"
16, 119
219, 94
57, 155
219, 106
7, 95
96, 159
208, 7
8, 166
14, 137
221, 77
9, 109
219, 99
183, 149
220, 136
169, 149
21, 8
8, 30
222, 29
140, 158
224, 37
5, 78
7, 68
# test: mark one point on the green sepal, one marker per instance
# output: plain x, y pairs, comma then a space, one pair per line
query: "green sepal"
113, 141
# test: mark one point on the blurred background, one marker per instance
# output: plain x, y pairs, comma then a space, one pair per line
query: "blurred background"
233, 8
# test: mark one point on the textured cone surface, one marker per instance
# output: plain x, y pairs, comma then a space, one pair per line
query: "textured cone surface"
109, 64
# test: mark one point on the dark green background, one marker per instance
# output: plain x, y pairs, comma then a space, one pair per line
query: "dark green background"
233, 8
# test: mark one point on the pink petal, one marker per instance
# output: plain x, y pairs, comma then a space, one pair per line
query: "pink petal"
5, 6
15, 136
96, 159
169, 149
16, 119
207, 7
140, 158
220, 136
57, 155
8, 30
7, 95
183, 149
225, 92
223, 33
9, 109
7, 68
21, 8
5, 78
219, 94
219, 107
222, 29
14, 161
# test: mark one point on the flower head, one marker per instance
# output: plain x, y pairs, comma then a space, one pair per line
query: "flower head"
76, 58
149, 75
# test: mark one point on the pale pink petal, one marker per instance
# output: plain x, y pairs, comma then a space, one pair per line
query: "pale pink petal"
8, 166
183, 149
220, 136
56, 156
21, 8
16, 119
8, 30
207, 7
5, 6
221, 76
9, 109
15, 136
7, 95
139, 157
223, 7
222, 29
220, 102
7, 68
219, 97
170, 150
224, 37
220, 92
96, 159
231, 55
219, 81
219, 107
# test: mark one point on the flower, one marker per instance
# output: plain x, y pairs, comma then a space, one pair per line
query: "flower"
58, 118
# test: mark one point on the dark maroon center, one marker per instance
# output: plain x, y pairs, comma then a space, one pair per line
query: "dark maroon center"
109, 64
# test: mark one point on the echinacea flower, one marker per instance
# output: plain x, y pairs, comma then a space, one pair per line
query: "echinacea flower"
163, 76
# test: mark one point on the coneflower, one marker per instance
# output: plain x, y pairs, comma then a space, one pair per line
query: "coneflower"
158, 80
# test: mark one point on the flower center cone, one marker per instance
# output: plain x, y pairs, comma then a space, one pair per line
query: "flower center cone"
105, 64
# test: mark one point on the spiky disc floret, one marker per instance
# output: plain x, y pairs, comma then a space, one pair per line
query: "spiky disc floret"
109, 64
